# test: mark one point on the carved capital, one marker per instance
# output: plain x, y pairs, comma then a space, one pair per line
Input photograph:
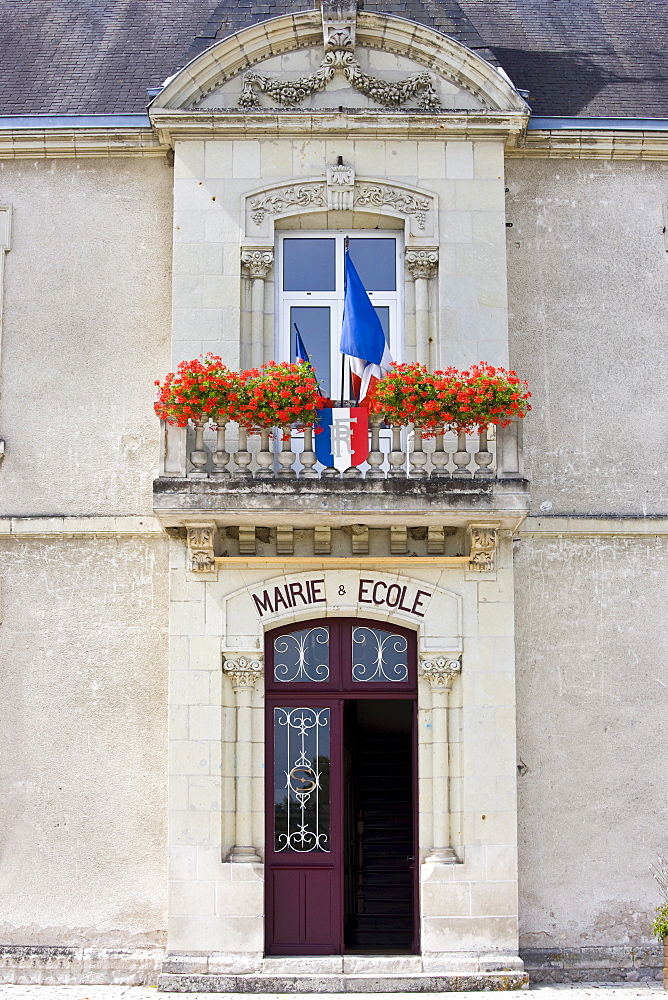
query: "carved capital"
201, 540
482, 547
440, 668
422, 263
340, 187
258, 263
243, 669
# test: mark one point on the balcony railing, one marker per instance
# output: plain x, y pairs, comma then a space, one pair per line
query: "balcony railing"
231, 453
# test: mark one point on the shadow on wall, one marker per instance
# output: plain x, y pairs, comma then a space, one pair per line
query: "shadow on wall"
562, 83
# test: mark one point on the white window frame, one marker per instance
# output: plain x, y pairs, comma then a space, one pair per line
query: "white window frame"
285, 300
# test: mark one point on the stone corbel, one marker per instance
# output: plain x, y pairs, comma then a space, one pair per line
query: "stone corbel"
201, 539
256, 263
440, 669
244, 670
422, 265
483, 539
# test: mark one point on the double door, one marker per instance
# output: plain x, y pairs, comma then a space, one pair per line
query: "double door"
341, 817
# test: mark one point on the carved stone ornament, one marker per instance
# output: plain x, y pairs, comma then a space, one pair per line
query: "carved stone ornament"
281, 199
386, 196
244, 669
340, 187
439, 669
200, 544
482, 547
258, 263
422, 263
339, 18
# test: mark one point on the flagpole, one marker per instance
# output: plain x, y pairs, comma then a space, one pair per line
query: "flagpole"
346, 244
308, 359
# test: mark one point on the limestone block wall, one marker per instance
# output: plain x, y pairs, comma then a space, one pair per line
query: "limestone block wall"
86, 332
217, 907
591, 655
465, 179
588, 279
83, 774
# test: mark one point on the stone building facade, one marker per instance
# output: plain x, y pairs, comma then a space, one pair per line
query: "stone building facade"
180, 607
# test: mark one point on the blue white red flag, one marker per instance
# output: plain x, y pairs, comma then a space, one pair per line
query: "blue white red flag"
301, 353
344, 439
362, 336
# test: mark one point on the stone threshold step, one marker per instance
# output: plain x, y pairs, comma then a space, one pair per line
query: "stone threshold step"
422, 982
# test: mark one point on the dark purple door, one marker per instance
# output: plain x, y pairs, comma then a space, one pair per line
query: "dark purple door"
313, 670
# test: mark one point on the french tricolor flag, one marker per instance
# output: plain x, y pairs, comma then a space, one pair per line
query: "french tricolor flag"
362, 337
344, 438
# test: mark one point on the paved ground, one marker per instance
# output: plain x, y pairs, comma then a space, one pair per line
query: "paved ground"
588, 991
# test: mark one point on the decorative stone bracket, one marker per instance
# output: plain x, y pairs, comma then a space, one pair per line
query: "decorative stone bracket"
200, 542
482, 540
339, 19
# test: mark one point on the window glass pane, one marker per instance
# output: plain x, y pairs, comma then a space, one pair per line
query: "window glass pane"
302, 656
313, 323
376, 263
384, 317
309, 265
379, 656
301, 780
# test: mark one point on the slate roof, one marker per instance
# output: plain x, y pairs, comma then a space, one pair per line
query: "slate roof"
603, 58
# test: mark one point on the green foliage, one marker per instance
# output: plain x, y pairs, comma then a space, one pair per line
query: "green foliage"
660, 924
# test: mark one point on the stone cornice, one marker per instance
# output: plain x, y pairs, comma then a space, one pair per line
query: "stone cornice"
75, 143
174, 125
592, 144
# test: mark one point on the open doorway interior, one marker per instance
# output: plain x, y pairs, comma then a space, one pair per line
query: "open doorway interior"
379, 865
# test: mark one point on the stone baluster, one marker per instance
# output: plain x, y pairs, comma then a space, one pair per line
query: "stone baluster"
220, 457
440, 669
396, 458
242, 456
199, 456
422, 264
243, 671
308, 456
286, 456
483, 458
257, 263
265, 457
439, 457
417, 458
375, 457
461, 458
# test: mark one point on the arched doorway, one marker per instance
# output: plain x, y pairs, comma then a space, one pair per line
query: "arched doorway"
341, 788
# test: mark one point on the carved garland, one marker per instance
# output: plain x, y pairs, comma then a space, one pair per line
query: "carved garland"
338, 27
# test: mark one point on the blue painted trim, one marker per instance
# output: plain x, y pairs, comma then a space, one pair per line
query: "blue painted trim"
74, 121
609, 124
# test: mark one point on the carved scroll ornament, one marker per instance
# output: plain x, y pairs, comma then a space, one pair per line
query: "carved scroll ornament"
482, 550
244, 670
440, 669
281, 199
200, 543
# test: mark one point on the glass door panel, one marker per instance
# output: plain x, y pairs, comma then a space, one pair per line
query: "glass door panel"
301, 780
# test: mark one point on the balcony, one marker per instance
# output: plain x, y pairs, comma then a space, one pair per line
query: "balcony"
230, 478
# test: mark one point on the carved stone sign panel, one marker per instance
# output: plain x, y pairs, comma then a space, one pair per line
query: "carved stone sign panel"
435, 612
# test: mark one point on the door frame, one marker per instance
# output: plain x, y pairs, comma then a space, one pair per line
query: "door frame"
315, 695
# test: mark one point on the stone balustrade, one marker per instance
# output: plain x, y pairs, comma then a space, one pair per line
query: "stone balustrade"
231, 453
